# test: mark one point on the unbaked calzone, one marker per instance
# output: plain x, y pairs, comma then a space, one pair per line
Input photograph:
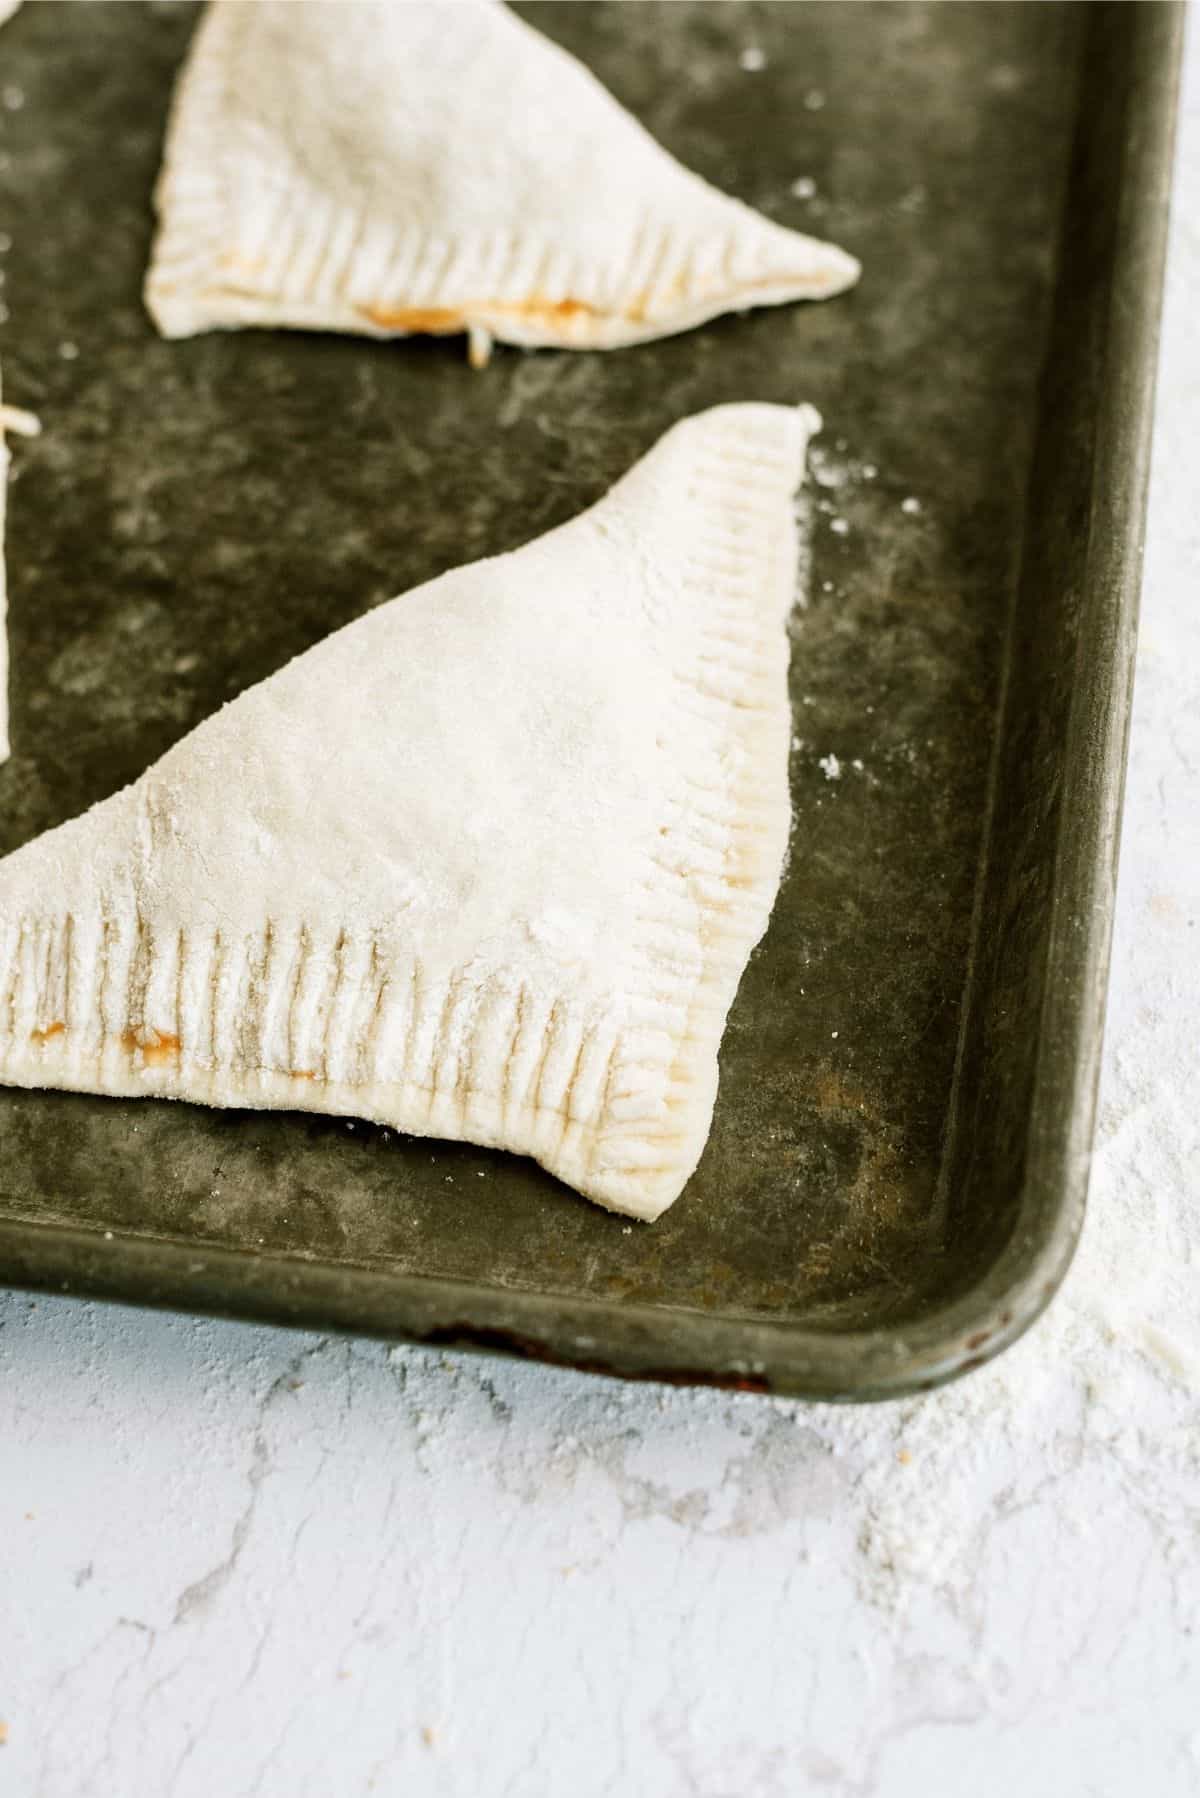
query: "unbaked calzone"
439, 166
486, 864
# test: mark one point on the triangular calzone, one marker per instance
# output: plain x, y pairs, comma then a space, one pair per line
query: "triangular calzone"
439, 166
485, 864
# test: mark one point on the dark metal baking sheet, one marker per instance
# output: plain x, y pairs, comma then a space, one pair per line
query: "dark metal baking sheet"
898, 1163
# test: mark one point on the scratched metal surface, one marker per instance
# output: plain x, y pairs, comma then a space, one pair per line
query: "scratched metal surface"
196, 513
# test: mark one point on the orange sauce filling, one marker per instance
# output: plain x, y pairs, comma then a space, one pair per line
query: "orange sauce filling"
58, 1028
157, 1046
442, 319
415, 318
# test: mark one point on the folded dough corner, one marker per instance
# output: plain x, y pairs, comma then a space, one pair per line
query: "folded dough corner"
485, 864
440, 166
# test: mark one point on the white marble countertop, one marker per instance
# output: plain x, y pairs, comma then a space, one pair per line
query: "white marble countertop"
238, 1561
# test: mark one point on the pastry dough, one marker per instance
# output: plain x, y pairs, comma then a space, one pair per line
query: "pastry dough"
438, 166
7, 9
485, 864
24, 424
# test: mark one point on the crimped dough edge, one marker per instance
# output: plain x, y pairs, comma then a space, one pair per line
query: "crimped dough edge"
75, 991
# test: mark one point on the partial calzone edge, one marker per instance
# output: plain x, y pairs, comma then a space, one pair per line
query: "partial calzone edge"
7, 9
485, 864
439, 166
22, 424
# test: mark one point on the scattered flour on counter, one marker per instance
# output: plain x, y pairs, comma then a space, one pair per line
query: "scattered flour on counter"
752, 59
1093, 1383
830, 767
